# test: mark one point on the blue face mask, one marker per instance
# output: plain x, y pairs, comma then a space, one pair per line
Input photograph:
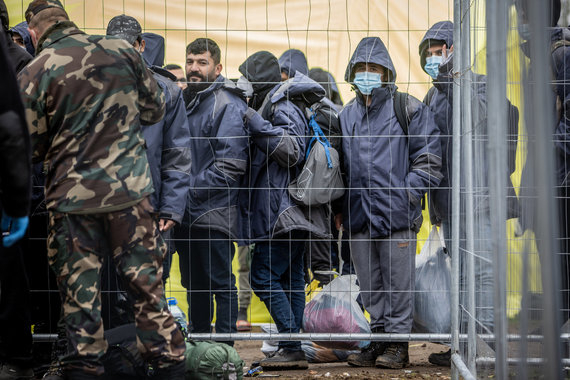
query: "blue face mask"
432, 65
366, 82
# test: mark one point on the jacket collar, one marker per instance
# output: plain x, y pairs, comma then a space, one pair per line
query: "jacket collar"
219, 82
56, 32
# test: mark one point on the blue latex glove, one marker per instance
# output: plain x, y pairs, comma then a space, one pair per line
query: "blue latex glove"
16, 228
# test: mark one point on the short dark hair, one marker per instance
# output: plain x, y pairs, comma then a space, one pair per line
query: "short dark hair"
172, 66
202, 45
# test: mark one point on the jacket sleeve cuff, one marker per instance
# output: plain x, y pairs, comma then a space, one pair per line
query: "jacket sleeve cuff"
170, 215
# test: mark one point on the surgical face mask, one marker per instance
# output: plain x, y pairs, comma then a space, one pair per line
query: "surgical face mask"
432, 65
245, 85
367, 81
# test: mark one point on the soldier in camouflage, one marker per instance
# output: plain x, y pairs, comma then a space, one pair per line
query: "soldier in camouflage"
85, 99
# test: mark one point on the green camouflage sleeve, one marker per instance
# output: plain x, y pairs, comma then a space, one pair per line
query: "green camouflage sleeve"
151, 98
33, 98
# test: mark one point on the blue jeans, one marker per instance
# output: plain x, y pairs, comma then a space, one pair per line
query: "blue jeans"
277, 278
205, 258
484, 284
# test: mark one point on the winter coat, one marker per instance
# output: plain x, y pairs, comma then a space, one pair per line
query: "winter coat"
219, 150
441, 105
168, 152
293, 60
277, 152
387, 171
15, 154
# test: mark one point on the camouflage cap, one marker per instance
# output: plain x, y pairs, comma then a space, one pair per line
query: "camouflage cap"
125, 27
37, 6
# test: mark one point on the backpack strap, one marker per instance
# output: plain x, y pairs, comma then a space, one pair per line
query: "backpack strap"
401, 110
319, 136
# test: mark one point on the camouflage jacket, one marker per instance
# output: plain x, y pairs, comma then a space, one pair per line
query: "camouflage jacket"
85, 98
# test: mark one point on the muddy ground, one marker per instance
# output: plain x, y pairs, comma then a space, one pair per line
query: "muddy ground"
420, 367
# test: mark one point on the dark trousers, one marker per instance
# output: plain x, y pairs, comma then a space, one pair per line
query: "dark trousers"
15, 317
277, 278
205, 258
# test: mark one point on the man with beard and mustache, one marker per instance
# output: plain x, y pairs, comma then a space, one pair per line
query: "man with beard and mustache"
219, 154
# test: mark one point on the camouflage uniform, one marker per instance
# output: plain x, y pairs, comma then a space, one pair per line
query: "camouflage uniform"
82, 96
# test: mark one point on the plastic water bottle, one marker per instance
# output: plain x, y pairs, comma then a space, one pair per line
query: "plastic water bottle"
178, 314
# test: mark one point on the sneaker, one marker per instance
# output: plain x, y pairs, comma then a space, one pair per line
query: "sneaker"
285, 359
395, 356
442, 359
367, 357
13, 372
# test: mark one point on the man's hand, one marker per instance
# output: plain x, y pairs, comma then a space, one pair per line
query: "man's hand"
165, 224
338, 221
13, 229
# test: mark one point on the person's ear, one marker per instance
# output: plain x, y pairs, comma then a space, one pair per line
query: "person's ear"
142, 46
218, 69
33, 37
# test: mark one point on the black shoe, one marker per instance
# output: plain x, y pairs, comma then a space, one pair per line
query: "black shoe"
173, 372
285, 359
14, 372
395, 356
367, 357
442, 359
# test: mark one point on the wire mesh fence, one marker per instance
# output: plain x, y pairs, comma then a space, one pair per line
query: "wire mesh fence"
476, 160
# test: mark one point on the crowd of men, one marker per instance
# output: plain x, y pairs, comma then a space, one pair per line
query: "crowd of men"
134, 155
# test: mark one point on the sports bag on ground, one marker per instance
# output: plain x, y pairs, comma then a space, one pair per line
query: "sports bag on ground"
212, 360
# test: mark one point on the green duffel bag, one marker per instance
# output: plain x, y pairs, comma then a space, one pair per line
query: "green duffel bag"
212, 360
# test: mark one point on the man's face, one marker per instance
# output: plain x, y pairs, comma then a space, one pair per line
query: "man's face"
435, 50
180, 77
201, 68
18, 40
361, 67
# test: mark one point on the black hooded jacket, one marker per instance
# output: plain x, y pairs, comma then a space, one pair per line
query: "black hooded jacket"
15, 161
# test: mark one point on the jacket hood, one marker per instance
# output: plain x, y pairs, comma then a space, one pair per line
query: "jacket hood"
442, 32
293, 60
325, 79
300, 86
22, 30
262, 70
370, 50
153, 53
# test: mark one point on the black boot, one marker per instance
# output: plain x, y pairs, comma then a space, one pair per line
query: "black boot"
442, 358
172, 372
59, 348
395, 356
367, 357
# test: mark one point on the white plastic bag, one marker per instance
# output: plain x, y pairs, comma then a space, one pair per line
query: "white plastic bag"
335, 310
432, 303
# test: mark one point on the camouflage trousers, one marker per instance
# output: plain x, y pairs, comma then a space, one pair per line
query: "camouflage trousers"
77, 245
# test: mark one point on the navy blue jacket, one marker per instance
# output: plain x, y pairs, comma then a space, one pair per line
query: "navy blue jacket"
561, 75
387, 171
293, 60
441, 105
168, 153
219, 149
277, 152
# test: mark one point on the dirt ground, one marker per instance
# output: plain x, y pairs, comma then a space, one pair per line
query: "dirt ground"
420, 367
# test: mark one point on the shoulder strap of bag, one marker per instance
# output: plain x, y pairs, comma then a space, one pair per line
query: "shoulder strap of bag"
319, 136
400, 109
